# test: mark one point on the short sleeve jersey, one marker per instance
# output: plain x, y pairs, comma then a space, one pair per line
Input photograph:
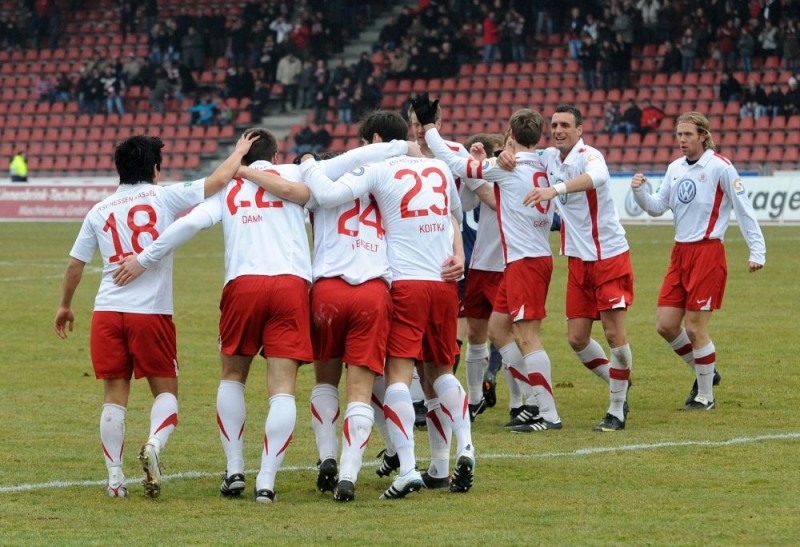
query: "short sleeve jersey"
125, 223
264, 235
590, 226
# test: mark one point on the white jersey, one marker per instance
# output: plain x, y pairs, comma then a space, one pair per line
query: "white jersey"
701, 197
590, 226
125, 223
264, 235
349, 241
523, 230
487, 252
415, 197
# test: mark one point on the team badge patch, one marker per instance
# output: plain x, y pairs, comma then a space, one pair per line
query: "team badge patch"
738, 186
702, 177
357, 172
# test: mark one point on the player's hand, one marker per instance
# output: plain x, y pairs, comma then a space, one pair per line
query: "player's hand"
638, 180
453, 268
537, 195
63, 318
424, 108
754, 266
414, 149
506, 160
244, 143
243, 171
128, 270
477, 151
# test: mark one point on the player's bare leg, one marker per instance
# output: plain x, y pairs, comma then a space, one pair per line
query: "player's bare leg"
619, 371
705, 358
539, 370
439, 435
325, 420
231, 419
500, 333
112, 433
163, 420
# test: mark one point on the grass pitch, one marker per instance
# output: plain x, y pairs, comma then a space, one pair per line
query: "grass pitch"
723, 477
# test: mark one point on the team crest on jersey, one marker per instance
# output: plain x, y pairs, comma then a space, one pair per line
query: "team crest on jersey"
590, 157
702, 177
357, 172
686, 190
738, 186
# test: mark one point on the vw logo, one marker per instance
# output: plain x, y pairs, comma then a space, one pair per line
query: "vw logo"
686, 190
631, 207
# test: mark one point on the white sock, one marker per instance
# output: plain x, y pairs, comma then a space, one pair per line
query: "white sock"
538, 364
378, 394
619, 379
453, 402
112, 434
705, 359
399, 411
231, 417
356, 431
682, 346
477, 360
278, 431
594, 358
163, 420
439, 434
514, 393
324, 419
519, 371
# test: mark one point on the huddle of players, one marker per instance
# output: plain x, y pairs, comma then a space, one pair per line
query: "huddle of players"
387, 254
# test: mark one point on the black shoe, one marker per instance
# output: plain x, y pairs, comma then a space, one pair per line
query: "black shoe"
526, 415
464, 472
232, 485
700, 403
610, 423
433, 483
326, 478
693, 393
420, 415
345, 491
539, 424
388, 465
489, 391
474, 410
265, 496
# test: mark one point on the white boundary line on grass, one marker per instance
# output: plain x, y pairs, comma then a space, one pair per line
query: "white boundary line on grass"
573, 453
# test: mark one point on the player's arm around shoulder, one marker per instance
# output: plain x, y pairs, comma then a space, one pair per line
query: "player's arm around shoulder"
329, 193
227, 169
287, 190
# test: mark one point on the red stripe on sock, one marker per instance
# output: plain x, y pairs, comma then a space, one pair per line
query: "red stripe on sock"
684, 350
241, 431
449, 414
105, 451
392, 416
266, 445
337, 415
706, 360
315, 413
285, 446
365, 442
466, 407
619, 373
171, 421
517, 375
538, 379
594, 363
346, 431
431, 415
376, 402
121, 450
222, 428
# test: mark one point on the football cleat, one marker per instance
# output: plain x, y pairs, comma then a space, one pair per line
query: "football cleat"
345, 491
388, 465
609, 423
403, 485
539, 424
474, 410
700, 403
693, 393
527, 414
152, 470
420, 415
489, 389
117, 490
433, 483
232, 485
464, 472
265, 495
326, 478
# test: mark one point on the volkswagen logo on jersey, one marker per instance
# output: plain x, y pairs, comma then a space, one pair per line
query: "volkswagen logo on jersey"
631, 207
357, 172
686, 190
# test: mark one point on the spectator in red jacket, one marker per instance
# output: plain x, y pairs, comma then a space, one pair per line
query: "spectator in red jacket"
491, 38
651, 117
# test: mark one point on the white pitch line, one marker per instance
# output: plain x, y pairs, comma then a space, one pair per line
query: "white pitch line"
574, 453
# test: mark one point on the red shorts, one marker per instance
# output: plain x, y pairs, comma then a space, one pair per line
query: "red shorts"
351, 322
133, 343
597, 286
424, 321
523, 293
696, 276
269, 313
480, 294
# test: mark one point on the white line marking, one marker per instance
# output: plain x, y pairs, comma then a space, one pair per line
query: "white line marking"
292, 468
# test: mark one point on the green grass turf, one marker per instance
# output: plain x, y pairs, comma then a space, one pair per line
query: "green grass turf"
724, 477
